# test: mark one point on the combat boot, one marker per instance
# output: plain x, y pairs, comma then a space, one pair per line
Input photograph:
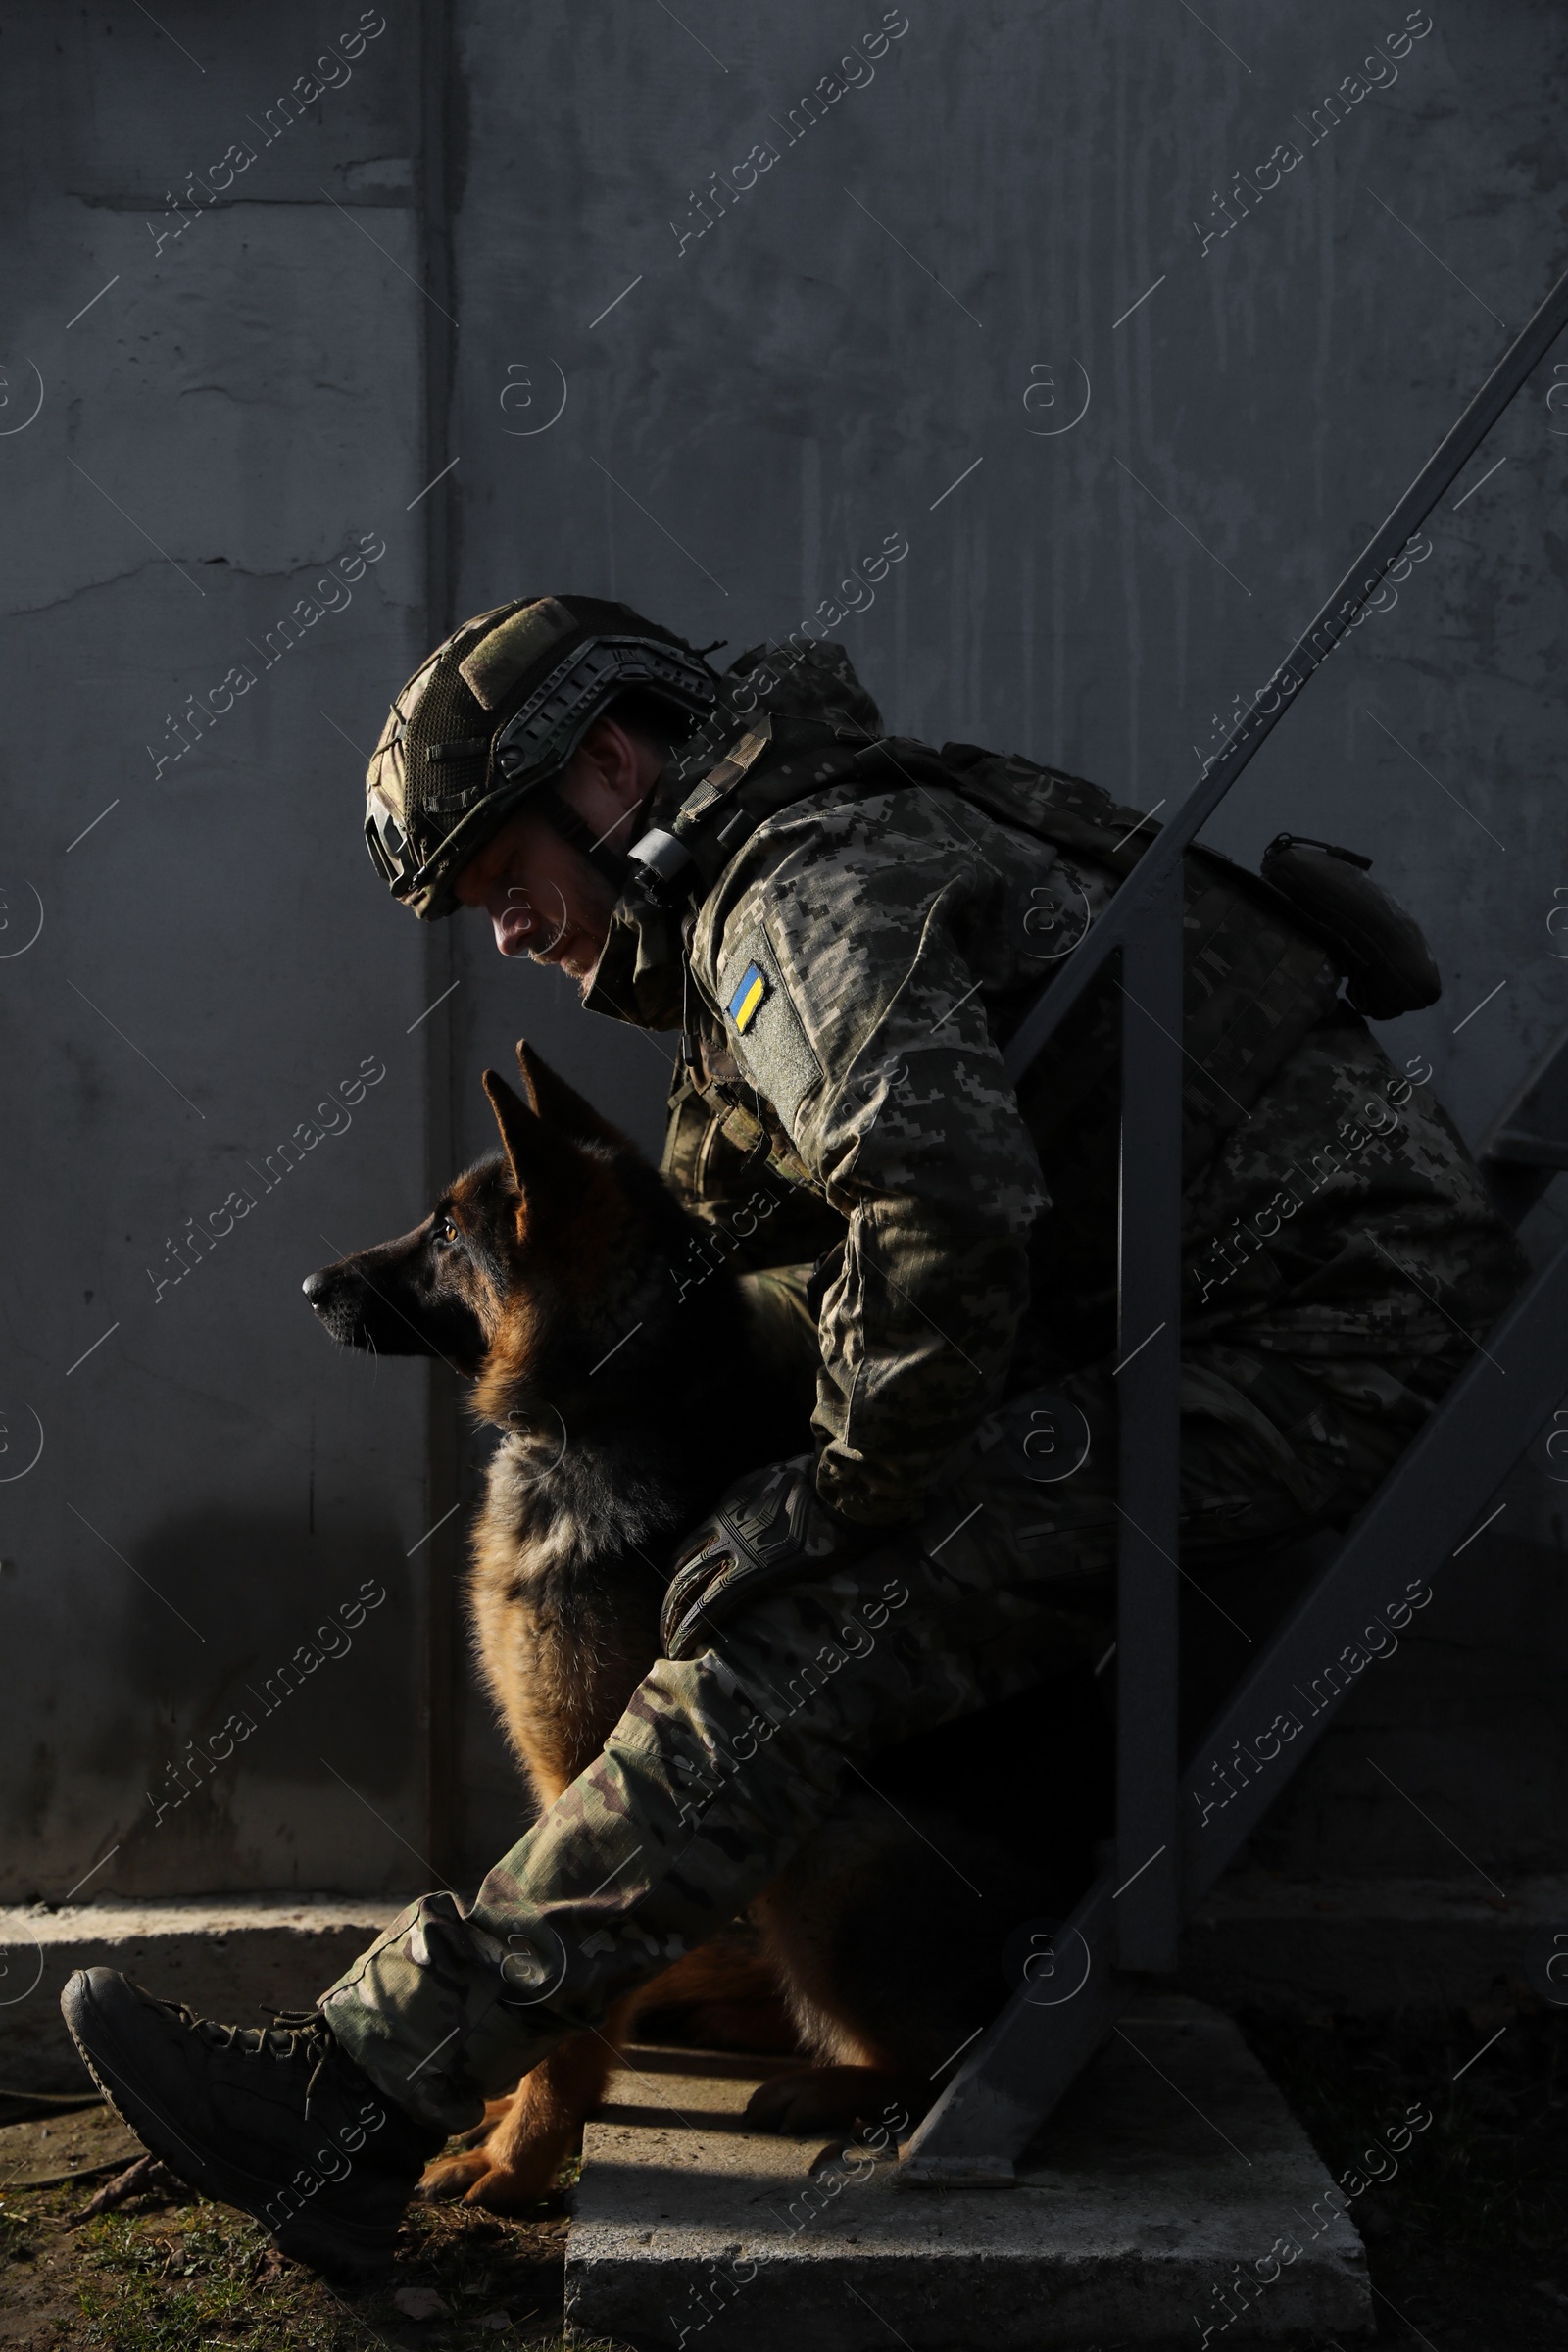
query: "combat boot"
277, 2119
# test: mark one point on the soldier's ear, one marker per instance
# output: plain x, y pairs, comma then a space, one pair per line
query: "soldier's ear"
544, 1163
559, 1106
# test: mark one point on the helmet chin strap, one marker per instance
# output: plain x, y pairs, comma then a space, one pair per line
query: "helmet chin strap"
563, 819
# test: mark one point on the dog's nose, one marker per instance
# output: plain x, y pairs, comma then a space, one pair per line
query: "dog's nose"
315, 1286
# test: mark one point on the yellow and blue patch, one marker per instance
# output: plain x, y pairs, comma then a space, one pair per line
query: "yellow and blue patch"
772, 1050
748, 997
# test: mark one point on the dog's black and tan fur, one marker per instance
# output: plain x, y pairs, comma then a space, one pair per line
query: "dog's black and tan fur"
545, 1278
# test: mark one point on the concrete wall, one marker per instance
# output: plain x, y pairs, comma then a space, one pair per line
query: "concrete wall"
234, 407
892, 330
930, 279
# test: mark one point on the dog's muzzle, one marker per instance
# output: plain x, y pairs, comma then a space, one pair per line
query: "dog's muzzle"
336, 1304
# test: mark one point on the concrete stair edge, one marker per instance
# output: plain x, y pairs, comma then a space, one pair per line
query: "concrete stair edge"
1340, 1946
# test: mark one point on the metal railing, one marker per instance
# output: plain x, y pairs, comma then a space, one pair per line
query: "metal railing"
1172, 1837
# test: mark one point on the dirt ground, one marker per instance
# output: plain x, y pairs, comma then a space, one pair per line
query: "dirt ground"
169, 2273
1467, 2242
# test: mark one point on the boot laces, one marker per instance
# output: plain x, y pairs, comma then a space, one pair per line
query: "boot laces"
292, 2033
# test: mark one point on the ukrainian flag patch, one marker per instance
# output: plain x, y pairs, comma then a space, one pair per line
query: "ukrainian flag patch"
748, 997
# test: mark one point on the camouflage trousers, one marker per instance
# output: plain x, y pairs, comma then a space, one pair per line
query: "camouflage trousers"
722, 1765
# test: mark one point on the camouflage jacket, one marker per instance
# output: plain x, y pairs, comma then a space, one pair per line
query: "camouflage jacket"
844, 983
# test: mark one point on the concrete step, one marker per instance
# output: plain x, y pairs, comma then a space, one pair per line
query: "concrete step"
225, 1955
1172, 2171
1359, 1947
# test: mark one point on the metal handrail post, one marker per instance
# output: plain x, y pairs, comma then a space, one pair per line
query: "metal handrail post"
1148, 1382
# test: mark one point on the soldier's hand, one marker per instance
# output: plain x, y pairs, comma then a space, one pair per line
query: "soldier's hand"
769, 1528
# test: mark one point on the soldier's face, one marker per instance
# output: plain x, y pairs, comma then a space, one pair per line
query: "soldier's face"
542, 898
545, 900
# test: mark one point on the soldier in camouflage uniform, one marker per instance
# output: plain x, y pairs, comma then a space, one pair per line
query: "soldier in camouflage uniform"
845, 928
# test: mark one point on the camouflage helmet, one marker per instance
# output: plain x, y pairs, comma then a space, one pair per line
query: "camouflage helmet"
493, 716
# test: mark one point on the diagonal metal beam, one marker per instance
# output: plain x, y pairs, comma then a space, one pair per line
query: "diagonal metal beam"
1528, 1140
1425, 1510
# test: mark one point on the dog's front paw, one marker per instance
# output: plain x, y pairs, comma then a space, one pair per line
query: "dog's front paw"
505, 2189
474, 2176
448, 2177
821, 2098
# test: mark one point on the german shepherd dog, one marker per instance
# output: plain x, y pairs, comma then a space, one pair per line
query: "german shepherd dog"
544, 1276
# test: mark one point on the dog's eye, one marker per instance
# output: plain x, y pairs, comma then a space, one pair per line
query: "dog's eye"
446, 1233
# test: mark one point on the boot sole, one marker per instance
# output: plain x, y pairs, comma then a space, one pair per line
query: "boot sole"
335, 2248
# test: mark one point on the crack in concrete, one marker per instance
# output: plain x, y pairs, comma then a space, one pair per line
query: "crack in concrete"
397, 200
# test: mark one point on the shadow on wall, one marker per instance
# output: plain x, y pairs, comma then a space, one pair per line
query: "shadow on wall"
271, 1694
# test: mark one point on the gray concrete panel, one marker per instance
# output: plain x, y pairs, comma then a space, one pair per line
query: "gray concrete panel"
211, 1030
716, 397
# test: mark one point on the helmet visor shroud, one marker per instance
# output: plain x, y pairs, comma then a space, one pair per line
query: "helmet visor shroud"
496, 713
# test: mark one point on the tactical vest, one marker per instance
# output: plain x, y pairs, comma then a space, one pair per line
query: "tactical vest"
1256, 979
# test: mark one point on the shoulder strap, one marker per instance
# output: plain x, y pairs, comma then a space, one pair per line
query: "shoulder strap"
733, 780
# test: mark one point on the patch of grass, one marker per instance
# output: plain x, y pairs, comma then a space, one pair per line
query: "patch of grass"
165, 2277
18, 2230
160, 2284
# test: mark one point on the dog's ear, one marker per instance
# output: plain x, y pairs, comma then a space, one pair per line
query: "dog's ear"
543, 1163
559, 1106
